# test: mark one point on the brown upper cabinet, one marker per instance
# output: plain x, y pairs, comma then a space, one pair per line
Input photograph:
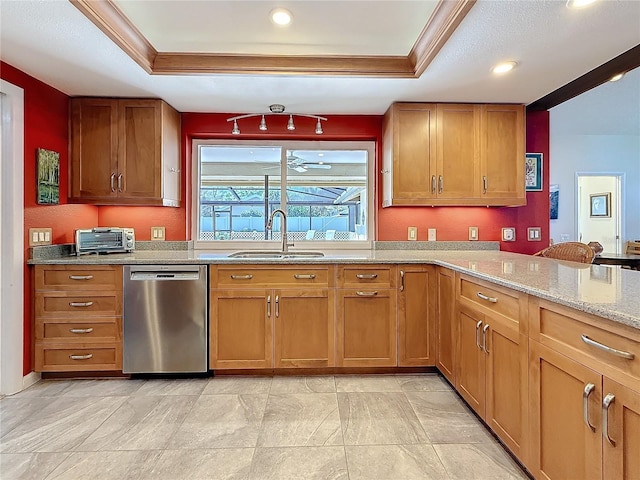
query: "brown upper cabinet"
453, 154
124, 152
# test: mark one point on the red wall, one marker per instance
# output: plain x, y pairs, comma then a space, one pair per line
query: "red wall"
46, 113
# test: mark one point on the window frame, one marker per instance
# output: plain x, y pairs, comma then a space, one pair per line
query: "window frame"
368, 145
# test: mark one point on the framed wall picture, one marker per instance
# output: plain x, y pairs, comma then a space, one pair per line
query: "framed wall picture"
600, 204
533, 172
48, 177
554, 197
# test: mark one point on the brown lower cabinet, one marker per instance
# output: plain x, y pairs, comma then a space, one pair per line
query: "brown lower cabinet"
445, 323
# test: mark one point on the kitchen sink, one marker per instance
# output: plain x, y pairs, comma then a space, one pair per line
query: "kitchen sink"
268, 254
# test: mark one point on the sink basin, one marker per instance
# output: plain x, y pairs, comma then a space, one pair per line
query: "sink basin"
268, 254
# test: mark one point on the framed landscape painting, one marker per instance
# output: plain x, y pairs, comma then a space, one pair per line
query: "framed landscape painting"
533, 172
48, 177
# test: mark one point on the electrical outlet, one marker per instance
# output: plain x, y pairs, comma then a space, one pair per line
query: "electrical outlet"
412, 233
473, 233
39, 236
157, 233
534, 234
509, 234
431, 234
564, 237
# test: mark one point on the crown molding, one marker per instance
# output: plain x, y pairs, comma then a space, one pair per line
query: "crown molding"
440, 26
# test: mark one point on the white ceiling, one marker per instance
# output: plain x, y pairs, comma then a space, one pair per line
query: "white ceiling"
54, 42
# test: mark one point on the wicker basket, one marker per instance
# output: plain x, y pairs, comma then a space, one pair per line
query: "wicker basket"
570, 251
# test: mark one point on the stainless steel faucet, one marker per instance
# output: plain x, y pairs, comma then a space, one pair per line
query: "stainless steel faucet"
283, 230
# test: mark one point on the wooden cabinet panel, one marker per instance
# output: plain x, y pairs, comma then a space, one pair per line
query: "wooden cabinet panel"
66, 358
622, 452
56, 304
446, 324
416, 312
374, 276
457, 152
491, 299
366, 328
563, 445
251, 276
304, 328
64, 330
78, 277
124, 151
470, 376
241, 332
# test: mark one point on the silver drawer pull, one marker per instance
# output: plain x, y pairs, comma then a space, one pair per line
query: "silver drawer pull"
366, 294
484, 338
304, 276
588, 389
366, 276
81, 330
478, 325
80, 304
241, 277
81, 277
488, 299
613, 351
608, 400
81, 357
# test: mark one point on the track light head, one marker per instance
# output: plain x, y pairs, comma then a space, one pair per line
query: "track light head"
235, 130
263, 124
290, 124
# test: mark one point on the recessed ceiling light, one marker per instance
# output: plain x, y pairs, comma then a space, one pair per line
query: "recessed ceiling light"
617, 77
504, 67
281, 16
579, 3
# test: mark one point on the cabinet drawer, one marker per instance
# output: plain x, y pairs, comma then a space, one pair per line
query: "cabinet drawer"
489, 298
259, 276
64, 331
63, 358
357, 276
78, 304
578, 335
68, 277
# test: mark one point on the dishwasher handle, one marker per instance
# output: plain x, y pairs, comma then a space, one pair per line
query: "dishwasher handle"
164, 276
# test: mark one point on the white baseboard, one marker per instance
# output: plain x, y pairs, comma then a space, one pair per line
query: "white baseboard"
30, 379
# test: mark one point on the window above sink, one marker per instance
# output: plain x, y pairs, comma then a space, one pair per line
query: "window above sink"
326, 188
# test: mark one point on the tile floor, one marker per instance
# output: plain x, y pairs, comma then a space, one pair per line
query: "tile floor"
386, 427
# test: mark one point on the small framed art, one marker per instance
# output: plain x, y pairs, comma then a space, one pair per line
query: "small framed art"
533, 172
600, 204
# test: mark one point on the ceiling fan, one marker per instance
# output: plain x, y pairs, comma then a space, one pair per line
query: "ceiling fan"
301, 165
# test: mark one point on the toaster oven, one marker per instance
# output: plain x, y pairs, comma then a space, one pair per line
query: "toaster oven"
105, 240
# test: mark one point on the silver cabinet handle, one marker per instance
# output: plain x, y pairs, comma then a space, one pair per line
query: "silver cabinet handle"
478, 325
81, 277
488, 299
366, 294
401, 280
588, 389
80, 304
608, 400
440, 184
120, 182
112, 183
241, 277
304, 276
81, 357
433, 184
613, 351
277, 306
268, 305
484, 338
366, 276
81, 330
484, 184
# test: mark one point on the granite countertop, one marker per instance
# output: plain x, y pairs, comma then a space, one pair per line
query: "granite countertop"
609, 292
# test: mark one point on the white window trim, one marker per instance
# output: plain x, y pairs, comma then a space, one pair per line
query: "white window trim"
369, 146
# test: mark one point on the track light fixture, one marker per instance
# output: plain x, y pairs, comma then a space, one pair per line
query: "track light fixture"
276, 109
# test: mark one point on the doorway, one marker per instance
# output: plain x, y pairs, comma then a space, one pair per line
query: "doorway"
599, 204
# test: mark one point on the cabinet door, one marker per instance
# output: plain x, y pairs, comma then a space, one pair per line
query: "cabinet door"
241, 333
446, 331
502, 151
416, 312
622, 447
506, 409
457, 151
366, 328
470, 376
140, 149
304, 328
94, 141
562, 444
414, 147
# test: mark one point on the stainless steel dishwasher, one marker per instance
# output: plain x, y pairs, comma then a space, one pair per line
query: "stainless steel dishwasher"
165, 328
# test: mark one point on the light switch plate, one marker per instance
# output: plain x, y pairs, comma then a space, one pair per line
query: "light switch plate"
412, 233
157, 233
534, 234
473, 233
431, 234
509, 234
40, 236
